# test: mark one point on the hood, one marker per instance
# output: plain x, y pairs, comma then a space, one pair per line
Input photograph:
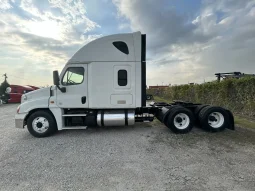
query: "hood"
36, 94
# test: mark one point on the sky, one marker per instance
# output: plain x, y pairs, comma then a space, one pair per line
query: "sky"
187, 41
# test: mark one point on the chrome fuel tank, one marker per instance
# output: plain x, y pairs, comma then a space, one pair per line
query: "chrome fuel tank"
115, 117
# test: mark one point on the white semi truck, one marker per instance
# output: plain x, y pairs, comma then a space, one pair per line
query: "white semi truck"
104, 84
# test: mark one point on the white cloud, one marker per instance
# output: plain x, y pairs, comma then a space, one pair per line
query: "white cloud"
124, 26
221, 38
5, 4
252, 12
43, 37
155, 19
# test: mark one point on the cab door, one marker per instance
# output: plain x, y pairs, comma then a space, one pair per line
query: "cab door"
75, 79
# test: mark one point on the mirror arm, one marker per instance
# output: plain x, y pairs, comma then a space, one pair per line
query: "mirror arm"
63, 89
56, 81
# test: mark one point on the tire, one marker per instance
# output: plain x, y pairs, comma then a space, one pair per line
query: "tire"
149, 97
165, 119
41, 124
197, 111
180, 120
214, 119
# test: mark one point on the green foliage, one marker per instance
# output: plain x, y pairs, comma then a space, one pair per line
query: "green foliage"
243, 122
238, 95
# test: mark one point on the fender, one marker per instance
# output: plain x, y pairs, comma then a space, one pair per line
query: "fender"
231, 120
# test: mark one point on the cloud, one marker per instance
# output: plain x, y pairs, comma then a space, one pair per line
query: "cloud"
182, 46
124, 26
155, 19
5, 4
182, 49
233, 47
42, 33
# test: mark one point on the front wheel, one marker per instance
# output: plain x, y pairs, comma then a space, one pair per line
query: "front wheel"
41, 124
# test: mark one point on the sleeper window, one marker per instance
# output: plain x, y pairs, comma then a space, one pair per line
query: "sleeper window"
121, 46
73, 76
122, 77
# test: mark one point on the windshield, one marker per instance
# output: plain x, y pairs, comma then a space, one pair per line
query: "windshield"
73, 76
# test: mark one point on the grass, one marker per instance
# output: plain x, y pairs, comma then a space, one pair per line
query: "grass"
242, 122
159, 99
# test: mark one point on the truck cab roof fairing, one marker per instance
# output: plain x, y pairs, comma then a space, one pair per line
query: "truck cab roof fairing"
103, 50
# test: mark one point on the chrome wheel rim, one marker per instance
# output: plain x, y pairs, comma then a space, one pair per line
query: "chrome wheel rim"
216, 120
181, 121
40, 124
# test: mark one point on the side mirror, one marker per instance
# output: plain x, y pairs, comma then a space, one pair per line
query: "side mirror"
8, 90
55, 78
56, 81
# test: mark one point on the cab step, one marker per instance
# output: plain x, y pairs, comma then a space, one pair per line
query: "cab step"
74, 115
75, 127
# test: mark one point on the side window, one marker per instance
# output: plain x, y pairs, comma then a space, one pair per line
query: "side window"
73, 76
122, 78
121, 46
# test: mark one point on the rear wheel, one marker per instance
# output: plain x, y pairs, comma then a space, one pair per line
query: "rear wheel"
180, 120
169, 111
197, 111
41, 124
214, 118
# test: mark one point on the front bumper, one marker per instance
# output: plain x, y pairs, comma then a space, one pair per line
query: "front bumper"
19, 120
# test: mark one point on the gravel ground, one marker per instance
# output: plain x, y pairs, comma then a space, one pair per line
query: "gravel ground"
143, 157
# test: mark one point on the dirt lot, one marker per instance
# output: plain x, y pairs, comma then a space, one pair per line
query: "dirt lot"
144, 157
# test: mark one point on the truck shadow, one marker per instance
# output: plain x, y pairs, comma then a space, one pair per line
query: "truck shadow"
138, 128
107, 130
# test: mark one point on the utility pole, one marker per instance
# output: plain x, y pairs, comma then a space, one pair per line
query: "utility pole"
5, 77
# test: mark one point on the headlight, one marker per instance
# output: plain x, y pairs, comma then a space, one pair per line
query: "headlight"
18, 109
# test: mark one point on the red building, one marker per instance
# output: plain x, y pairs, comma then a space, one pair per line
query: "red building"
158, 87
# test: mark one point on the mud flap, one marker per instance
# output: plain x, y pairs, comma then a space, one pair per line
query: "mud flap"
231, 120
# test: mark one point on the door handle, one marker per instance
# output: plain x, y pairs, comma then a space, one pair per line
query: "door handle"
83, 99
